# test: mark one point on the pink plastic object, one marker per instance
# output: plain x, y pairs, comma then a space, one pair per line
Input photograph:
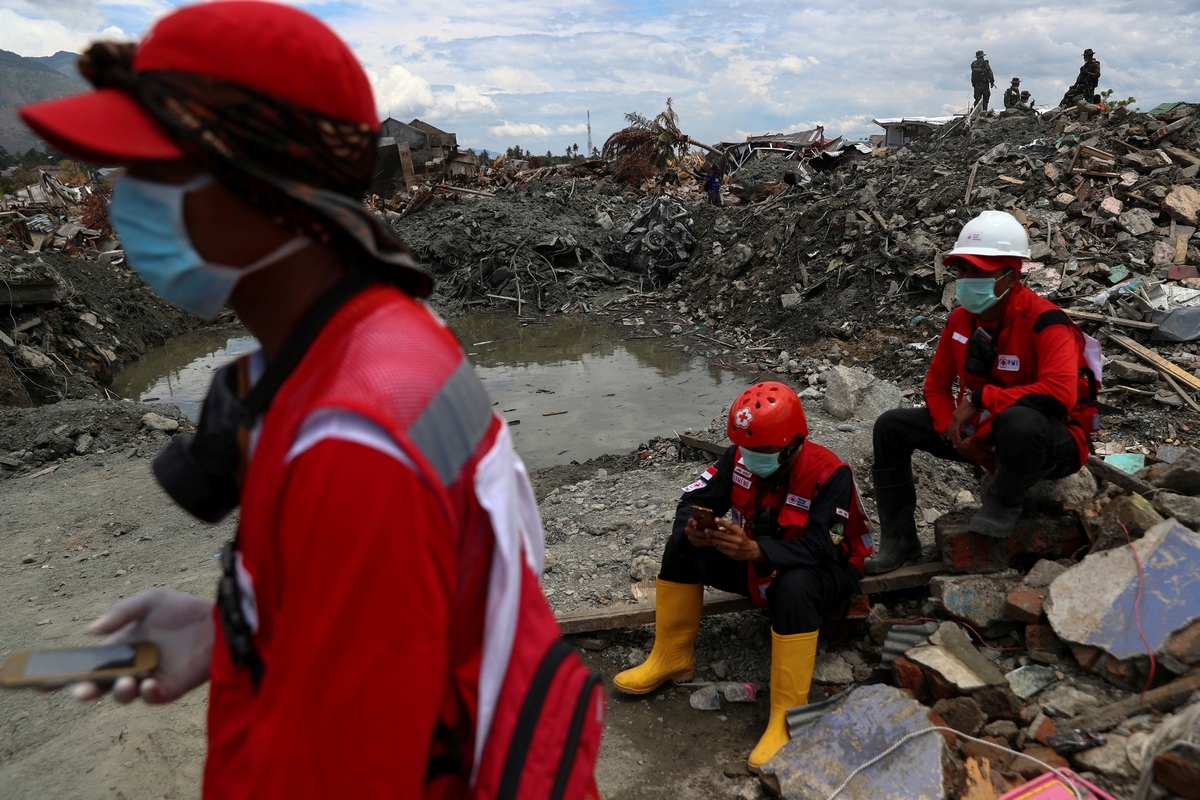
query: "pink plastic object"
1051, 787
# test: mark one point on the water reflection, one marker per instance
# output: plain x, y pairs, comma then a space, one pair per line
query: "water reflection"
615, 392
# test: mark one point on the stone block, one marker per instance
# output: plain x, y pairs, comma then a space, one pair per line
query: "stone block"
1183, 204
1126, 518
1179, 771
157, 422
1062, 200
791, 300
1183, 508
938, 663
1043, 646
1002, 729
1024, 604
1043, 573
1043, 536
1111, 207
1063, 495
977, 599
1183, 476
1163, 254
999, 702
961, 713
1042, 729
851, 392
1029, 680
1093, 602
1064, 700
1134, 373
872, 718
1029, 769
1136, 221
1001, 760
1110, 760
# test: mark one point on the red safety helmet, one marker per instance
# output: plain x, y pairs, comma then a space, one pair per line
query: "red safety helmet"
768, 414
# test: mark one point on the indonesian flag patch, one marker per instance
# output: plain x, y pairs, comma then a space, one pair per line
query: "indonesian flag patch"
702, 481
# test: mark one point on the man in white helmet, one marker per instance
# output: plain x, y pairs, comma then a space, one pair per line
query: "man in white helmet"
1007, 389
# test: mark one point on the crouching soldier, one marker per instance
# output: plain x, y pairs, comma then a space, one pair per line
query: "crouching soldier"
795, 542
1011, 387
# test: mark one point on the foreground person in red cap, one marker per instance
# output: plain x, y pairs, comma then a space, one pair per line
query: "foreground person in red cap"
379, 589
1008, 389
794, 542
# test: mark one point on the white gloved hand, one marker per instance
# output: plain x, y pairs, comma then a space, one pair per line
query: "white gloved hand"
181, 625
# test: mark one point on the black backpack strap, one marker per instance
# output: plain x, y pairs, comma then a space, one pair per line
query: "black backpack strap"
531, 710
578, 718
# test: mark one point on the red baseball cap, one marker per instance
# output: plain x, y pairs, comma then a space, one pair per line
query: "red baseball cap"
275, 49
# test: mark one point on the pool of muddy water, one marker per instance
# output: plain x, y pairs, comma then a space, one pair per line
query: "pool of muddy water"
571, 388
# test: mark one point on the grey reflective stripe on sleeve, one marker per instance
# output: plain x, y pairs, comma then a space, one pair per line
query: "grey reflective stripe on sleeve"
450, 427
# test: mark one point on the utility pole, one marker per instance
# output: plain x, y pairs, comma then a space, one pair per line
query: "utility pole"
589, 150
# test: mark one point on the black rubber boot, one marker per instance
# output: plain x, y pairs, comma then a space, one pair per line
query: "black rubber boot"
896, 499
1003, 503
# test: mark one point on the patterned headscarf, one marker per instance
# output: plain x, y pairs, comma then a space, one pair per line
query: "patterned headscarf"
304, 170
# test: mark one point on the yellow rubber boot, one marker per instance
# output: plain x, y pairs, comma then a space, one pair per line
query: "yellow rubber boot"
792, 661
677, 609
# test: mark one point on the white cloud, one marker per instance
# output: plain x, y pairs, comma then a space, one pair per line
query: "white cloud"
464, 101
399, 93
511, 79
790, 65
36, 37
572, 129
519, 130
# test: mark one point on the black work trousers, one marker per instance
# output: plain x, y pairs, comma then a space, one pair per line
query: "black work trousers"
984, 93
1026, 440
798, 599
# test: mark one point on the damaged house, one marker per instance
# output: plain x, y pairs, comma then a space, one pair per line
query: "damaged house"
414, 152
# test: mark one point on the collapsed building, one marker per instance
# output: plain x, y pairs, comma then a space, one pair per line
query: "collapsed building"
412, 152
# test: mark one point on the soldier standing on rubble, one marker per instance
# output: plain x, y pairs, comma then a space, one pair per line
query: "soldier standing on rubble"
1012, 95
795, 544
982, 79
1023, 407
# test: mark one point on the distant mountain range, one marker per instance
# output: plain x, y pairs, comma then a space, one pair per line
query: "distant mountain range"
28, 80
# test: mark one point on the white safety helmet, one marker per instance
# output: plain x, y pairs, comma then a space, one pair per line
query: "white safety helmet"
992, 233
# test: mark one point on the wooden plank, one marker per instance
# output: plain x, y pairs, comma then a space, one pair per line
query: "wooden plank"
903, 578
1128, 323
1102, 469
700, 444
1163, 699
20, 294
1161, 364
1011, 179
1187, 398
586, 620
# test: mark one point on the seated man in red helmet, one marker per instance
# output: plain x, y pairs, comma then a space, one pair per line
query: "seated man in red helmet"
795, 543
1008, 388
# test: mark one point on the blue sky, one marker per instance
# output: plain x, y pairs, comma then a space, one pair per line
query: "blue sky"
526, 71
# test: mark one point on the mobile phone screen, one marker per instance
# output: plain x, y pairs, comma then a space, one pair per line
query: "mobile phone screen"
85, 659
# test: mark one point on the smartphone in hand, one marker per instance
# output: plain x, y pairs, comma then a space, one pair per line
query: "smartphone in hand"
704, 517
49, 669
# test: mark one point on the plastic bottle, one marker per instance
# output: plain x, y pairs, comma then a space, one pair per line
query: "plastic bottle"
739, 692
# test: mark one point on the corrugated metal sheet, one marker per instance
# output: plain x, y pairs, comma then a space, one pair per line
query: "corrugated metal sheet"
803, 717
902, 638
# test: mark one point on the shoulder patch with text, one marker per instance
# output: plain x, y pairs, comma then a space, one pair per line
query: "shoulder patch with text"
958, 337
841, 512
702, 481
1008, 363
742, 480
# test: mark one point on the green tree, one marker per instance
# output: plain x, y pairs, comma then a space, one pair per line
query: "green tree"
646, 145
1114, 104
485, 157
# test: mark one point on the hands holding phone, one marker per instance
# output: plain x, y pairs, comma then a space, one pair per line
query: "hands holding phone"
180, 624
729, 539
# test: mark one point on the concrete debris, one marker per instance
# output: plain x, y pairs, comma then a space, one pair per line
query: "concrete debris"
977, 599
1030, 679
1092, 604
852, 392
1045, 536
1126, 518
871, 719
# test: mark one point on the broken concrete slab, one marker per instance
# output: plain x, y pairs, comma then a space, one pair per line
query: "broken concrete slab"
1183, 476
851, 392
1092, 603
1136, 221
1183, 204
1183, 508
1064, 494
1029, 680
1042, 536
954, 638
961, 713
1109, 760
873, 718
1064, 700
1134, 373
1125, 518
977, 599
1043, 573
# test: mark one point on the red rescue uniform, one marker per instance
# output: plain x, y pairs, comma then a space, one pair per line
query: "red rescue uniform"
1036, 356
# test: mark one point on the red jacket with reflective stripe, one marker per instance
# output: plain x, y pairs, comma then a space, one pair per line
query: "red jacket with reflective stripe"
338, 712
1037, 360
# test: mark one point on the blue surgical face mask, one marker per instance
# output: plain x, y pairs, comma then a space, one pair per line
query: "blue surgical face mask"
976, 294
761, 464
148, 217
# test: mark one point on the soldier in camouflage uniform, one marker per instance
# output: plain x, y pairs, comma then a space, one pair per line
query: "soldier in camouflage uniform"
1085, 85
1012, 95
981, 79
1026, 101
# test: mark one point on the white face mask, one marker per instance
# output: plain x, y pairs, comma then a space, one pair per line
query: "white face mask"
148, 216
